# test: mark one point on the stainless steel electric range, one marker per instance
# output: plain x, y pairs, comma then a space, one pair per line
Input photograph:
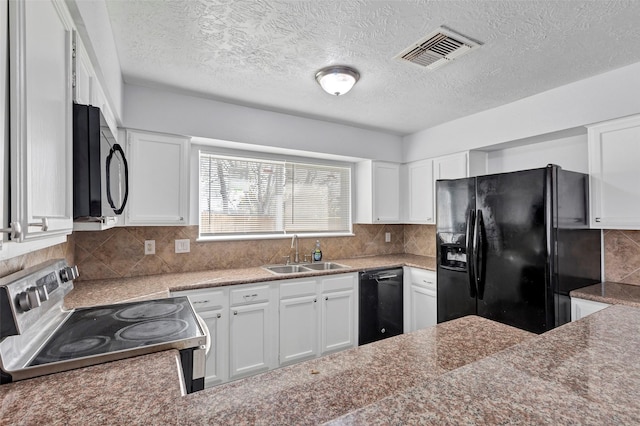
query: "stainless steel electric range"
38, 336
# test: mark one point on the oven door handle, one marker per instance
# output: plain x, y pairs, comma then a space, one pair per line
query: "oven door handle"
203, 325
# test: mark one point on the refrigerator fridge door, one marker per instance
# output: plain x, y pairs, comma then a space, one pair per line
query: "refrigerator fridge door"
511, 249
455, 218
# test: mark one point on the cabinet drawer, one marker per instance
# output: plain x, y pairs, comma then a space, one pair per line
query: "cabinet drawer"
210, 300
297, 288
250, 295
205, 299
337, 283
423, 278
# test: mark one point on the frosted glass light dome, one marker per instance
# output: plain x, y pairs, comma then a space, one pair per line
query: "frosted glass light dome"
337, 80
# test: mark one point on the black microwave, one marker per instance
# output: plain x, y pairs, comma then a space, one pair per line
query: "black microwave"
100, 169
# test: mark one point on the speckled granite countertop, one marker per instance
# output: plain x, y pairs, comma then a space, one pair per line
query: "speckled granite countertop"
102, 292
145, 390
610, 292
585, 372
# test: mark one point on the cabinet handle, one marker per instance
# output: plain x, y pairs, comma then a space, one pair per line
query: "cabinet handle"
250, 295
44, 224
181, 218
326, 298
14, 230
219, 316
597, 219
200, 301
315, 300
235, 312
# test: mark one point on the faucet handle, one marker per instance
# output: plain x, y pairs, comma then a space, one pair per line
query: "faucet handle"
306, 258
287, 261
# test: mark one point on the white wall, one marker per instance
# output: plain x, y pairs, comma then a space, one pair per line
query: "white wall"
570, 153
603, 97
161, 110
92, 22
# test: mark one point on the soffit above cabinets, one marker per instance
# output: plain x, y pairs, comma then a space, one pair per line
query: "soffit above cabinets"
265, 53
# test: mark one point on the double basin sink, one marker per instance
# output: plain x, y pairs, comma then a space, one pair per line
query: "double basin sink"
304, 267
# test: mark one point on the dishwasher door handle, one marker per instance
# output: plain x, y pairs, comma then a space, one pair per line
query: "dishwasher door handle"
385, 277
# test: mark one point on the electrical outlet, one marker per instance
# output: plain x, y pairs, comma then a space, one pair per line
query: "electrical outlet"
182, 246
387, 237
150, 247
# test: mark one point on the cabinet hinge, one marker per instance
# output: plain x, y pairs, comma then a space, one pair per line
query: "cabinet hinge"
73, 79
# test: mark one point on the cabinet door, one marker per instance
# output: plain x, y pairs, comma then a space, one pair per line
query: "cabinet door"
250, 343
580, 308
298, 329
386, 192
423, 307
421, 192
83, 75
614, 149
158, 179
41, 139
451, 166
338, 321
216, 370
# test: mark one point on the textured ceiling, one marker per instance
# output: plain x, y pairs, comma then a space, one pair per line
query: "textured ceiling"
265, 53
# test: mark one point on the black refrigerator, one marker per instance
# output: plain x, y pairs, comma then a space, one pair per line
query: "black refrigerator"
511, 246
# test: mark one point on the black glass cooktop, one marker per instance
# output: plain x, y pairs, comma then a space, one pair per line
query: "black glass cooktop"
104, 329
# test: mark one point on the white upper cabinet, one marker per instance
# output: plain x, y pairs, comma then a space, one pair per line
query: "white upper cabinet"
614, 151
378, 192
419, 205
158, 179
460, 165
41, 126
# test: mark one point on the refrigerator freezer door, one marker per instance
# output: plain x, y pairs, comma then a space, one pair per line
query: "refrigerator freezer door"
456, 293
513, 249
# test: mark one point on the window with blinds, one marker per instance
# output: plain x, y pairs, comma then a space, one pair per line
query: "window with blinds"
242, 196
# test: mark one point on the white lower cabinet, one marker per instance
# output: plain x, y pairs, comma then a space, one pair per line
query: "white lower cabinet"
212, 305
421, 297
580, 308
339, 313
252, 331
258, 327
308, 330
298, 321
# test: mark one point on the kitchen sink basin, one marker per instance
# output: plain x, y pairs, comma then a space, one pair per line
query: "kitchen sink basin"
304, 267
324, 266
286, 269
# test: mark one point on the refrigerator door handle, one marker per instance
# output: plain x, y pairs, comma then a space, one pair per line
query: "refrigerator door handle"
478, 253
470, 235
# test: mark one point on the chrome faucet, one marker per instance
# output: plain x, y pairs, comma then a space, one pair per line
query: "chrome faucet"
294, 242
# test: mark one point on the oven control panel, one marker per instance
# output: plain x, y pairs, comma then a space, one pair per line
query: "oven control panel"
28, 295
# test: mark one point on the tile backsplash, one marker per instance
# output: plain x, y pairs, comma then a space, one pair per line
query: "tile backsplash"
15, 264
119, 252
622, 256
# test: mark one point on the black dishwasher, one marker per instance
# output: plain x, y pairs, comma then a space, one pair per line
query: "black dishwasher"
380, 307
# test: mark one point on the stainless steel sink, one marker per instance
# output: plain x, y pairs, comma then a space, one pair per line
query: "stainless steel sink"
325, 266
304, 267
286, 269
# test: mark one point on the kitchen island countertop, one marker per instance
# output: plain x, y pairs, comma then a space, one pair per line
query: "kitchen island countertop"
585, 372
144, 390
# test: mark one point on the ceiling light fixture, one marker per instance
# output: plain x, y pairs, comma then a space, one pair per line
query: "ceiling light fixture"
338, 79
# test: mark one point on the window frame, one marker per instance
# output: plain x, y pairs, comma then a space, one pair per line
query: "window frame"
196, 149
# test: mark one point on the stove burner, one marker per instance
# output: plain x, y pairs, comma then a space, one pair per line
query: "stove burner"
96, 313
79, 347
152, 329
148, 310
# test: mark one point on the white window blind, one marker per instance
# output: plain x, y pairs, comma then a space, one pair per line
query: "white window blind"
241, 196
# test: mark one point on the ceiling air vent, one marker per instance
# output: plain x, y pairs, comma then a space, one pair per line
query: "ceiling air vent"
437, 49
